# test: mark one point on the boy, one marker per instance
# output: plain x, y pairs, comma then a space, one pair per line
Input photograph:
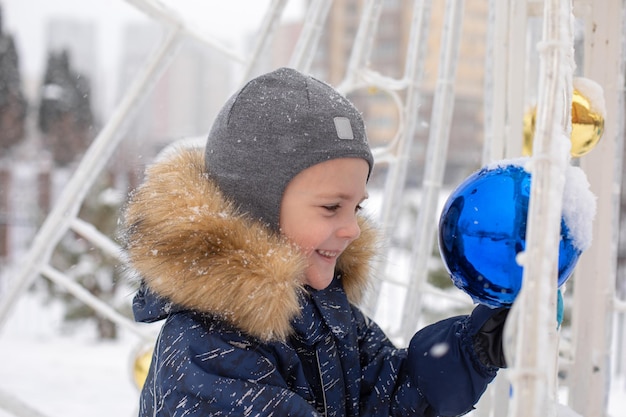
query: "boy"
255, 254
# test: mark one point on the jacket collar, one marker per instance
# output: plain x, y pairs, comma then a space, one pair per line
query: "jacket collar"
189, 245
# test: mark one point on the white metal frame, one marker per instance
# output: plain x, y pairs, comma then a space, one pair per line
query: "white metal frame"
531, 328
596, 303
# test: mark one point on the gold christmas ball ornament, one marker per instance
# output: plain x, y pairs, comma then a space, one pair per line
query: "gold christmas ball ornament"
587, 125
587, 120
529, 131
141, 365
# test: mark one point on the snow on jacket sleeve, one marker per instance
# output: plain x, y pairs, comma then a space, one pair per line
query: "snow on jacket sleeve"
185, 379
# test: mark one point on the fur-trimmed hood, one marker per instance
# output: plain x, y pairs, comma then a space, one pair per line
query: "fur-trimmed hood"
189, 246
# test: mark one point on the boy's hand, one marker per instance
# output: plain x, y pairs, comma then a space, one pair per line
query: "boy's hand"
489, 325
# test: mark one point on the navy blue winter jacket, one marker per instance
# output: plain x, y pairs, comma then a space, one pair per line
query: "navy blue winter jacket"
243, 337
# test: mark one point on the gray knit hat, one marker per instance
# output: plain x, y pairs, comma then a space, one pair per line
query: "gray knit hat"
276, 126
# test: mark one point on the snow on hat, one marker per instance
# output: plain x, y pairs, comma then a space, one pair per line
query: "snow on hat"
276, 126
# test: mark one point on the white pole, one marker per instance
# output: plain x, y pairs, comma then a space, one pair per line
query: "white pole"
314, 19
94, 302
516, 73
364, 40
171, 19
265, 34
437, 151
17, 407
495, 80
594, 280
413, 74
498, 65
397, 154
532, 324
99, 239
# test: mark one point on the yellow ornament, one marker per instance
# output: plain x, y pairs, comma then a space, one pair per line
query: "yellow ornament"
141, 365
529, 131
587, 127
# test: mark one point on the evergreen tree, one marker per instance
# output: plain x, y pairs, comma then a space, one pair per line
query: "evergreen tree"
12, 101
96, 271
65, 114
65, 118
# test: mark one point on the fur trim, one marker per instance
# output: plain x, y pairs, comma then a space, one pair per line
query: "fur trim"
189, 245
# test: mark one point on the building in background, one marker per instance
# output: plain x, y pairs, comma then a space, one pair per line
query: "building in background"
186, 98
388, 58
58, 127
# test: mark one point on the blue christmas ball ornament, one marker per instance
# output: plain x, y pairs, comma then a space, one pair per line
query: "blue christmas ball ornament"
483, 228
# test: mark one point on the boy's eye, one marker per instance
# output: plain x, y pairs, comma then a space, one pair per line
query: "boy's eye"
335, 207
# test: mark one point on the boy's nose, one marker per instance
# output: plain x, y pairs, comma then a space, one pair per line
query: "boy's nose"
350, 229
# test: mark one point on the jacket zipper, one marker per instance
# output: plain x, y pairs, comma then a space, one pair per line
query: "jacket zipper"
319, 370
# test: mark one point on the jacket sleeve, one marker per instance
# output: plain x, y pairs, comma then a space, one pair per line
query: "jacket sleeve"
442, 360
439, 374
200, 375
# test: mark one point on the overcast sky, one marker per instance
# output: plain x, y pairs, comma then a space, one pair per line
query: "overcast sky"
26, 20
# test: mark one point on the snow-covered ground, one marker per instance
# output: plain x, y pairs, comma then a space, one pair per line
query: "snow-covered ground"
61, 371
70, 374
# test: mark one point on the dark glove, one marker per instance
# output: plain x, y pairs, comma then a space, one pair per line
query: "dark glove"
489, 325
443, 365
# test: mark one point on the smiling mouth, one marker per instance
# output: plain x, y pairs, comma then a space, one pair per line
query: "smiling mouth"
328, 254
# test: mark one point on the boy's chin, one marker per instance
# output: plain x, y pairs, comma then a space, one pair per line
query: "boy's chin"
319, 281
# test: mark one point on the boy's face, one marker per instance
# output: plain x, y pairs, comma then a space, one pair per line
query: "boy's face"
318, 213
